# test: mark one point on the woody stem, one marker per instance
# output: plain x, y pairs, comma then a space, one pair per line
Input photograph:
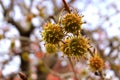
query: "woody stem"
75, 75
66, 6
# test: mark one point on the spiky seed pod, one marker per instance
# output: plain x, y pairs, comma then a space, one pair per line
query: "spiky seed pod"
50, 48
52, 33
72, 22
96, 63
79, 46
65, 48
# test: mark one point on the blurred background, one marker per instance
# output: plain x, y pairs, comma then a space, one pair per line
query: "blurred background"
22, 48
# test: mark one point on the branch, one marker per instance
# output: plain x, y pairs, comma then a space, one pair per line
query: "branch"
23, 76
72, 67
18, 26
66, 6
2, 5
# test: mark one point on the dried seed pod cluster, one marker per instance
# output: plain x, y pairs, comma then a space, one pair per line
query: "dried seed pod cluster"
72, 22
96, 63
65, 48
76, 46
67, 35
52, 33
79, 46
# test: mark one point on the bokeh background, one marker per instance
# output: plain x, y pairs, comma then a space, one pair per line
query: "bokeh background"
22, 48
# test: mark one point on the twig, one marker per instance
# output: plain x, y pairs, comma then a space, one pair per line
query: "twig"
75, 75
66, 6
28, 9
2, 5
102, 75
61, 76
91, 53
24, 38
22, 76
7, 11
51, 71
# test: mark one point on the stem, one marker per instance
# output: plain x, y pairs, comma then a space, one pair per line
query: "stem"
66, 6
48, 68
102, 75
23, 76
75, 75
91, 53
